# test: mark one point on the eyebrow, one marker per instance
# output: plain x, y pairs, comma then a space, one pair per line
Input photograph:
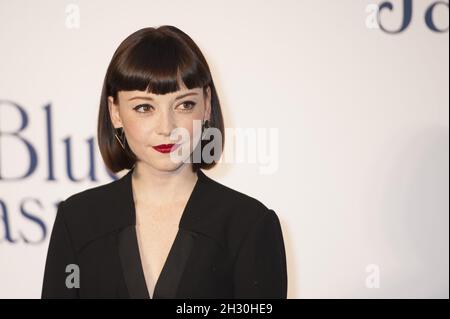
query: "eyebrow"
151, 99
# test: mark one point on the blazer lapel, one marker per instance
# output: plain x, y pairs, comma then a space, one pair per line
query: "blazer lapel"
131, 263
167, 284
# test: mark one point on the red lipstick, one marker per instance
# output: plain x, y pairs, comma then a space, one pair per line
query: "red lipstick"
166, 148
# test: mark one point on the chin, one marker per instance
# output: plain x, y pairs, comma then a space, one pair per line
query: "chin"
165, 164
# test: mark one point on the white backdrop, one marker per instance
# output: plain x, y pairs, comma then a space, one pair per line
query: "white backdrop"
362, 158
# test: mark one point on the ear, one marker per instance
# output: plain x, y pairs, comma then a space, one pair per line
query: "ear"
114, 113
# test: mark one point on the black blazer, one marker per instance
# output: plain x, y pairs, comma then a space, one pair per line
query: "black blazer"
229, 245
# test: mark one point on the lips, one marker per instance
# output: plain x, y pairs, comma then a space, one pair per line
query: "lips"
166, 148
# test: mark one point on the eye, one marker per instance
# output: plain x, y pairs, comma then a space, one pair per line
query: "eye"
189, 105
145, 108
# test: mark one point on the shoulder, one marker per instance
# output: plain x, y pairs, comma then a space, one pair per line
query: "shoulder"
93, 212
91, 196
234, 200
235, 212
90, 199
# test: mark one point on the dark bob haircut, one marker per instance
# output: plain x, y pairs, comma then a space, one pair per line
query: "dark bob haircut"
153, 60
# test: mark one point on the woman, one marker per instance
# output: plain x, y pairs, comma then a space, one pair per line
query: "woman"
165, 229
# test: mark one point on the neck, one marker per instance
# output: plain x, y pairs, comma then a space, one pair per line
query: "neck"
159, 187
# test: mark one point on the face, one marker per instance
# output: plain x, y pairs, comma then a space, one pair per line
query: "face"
149, 119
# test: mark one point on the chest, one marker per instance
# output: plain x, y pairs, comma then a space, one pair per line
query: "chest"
156, 229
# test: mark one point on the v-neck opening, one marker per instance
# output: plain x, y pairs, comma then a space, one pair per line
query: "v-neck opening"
177, 242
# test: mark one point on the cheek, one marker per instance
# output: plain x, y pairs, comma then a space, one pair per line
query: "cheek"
191, 123
137, 130
188, 125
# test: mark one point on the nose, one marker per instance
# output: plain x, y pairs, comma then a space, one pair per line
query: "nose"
165, 124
